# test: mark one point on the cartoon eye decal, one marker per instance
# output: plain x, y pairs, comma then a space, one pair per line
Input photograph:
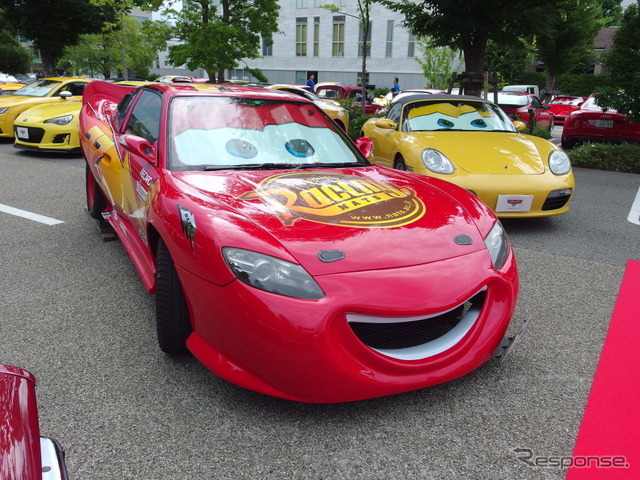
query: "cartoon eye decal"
479, 123
442, 122
299, 148
241, 148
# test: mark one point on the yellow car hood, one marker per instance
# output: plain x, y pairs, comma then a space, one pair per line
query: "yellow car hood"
44, 112
491, 153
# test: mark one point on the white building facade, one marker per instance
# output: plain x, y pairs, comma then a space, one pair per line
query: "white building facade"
316, 40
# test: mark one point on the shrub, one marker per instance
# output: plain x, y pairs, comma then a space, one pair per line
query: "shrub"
538, 131
618, 158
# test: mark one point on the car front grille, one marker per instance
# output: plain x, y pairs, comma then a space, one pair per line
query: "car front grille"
35, 134
416, 338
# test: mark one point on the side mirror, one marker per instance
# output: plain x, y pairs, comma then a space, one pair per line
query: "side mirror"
65, 94
520, 126
365, 145
386, 124
140, 147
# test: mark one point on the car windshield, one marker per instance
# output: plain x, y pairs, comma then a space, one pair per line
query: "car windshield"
590, 104
227, 132
566, 101
41, 88
512, 100
467, 116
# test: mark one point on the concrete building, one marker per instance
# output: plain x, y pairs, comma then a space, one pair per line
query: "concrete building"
316, 40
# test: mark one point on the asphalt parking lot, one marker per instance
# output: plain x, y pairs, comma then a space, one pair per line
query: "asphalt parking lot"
76, 315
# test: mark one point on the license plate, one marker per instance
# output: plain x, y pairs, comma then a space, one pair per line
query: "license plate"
604, 123
514, 203
22, 132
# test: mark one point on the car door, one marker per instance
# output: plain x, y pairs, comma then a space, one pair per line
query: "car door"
385, 140
139, 167
543, 116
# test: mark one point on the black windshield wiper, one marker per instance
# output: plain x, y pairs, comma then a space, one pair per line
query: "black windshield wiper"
254, 166
330, 165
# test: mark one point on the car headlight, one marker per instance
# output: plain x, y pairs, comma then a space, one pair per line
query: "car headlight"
559, 162
498, 245
4, 109
437, 162
60, 120
272, 274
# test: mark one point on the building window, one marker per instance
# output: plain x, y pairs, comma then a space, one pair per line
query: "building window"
301, 37
267, 47
389, 46
362, 43
301, 4
337, 46
316, 36
411, 52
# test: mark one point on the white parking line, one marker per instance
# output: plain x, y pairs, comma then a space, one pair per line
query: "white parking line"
29, 215
634, 214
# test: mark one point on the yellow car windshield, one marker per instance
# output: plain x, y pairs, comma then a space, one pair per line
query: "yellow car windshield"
40, 88
467, 116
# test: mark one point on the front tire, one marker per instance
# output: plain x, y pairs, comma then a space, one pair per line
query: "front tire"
96, 201
172, 315
400, 165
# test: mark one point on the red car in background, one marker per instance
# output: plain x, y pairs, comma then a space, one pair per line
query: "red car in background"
342, 92
563, 105
24, 455
520, 106
592, 124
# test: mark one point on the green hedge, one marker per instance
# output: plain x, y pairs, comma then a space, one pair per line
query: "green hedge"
618, 158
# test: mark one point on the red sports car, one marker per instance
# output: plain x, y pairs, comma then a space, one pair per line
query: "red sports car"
520, 106
342, 92
591, 124
280, 257
24, 455
563, 105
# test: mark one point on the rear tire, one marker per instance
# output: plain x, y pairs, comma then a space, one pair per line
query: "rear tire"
172, 315
96, 201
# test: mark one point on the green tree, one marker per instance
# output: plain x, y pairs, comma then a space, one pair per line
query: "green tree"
508, 62
52, 26
216, 34
568, 38
14, 58
468, 25
611, 12
364, 16
436, 63
100, 53
623, 61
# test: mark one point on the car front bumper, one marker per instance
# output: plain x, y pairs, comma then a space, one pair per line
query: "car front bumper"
311, 351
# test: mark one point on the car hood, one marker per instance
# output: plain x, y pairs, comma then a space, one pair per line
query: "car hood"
491, 153
340, 220
12, 100
44, 112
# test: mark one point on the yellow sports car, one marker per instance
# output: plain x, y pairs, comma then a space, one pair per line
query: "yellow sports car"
472, 143
53, 126
332, 108
47, 90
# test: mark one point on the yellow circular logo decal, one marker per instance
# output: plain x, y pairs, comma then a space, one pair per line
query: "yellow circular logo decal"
333, 199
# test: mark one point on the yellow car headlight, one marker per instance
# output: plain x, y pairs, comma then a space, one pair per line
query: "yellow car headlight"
559, 162
60, 120
437, 162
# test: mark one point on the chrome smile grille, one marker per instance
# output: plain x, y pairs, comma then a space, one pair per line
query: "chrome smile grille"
417, 338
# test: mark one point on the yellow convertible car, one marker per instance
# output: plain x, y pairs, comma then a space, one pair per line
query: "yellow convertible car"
53, 127
46, 90
471, 142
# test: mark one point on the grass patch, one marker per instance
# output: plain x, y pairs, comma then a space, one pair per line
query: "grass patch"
624, 157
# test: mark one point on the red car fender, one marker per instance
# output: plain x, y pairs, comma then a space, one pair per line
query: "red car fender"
20, 456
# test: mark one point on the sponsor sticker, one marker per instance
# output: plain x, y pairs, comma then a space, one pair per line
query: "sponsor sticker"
514, 203
335, 199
